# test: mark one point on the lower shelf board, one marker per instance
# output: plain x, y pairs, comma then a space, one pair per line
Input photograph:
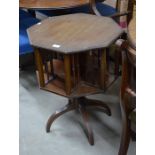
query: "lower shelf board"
56, 83
83, 88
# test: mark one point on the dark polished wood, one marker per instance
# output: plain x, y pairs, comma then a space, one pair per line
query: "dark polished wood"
39, 64
126, 108
73, 41
69, 107
127, 94
103, 69
81, 32
85, 83
60, 79
81, 104
67, 66
85, 116
98, 105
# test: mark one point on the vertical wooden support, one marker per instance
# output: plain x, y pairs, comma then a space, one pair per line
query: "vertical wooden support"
131, 4
103, 69
51, 67
47, 70
67, 67
73, 69
108, 57
39, 64
117, 61
78, 67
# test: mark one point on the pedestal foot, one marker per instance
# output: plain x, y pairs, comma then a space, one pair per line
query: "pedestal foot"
52, 118
81, 104
97, 105
88, 129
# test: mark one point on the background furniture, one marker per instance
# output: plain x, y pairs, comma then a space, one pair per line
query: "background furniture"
76, 6
128, 87
25, 21
72, 36
104, 9
127, 99
53, 5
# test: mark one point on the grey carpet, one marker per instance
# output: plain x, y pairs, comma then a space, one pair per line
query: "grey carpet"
67, 136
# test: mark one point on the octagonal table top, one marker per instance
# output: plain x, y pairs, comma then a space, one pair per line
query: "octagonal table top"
74, 33
51, 4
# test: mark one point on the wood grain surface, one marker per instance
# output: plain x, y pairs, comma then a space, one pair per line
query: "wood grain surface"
52, 4
74, 33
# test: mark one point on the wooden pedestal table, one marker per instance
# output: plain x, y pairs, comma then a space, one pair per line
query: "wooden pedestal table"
71, 36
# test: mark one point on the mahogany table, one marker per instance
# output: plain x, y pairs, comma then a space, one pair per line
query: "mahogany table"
72, 36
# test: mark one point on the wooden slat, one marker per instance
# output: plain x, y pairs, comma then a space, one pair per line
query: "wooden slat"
67, 67
103, 69
39, 64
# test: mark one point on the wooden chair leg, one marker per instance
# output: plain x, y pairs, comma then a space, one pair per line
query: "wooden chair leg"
125, 137
133, 135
